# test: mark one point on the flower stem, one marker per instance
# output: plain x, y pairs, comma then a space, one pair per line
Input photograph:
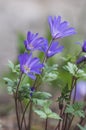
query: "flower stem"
16, 102
17, 114
70, 122
65, 120
23, 117
24, 113
59, 123
18, 86
46, 123
30, 116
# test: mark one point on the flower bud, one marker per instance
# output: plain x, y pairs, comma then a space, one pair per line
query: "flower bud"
84, 47
80, 91
81, 59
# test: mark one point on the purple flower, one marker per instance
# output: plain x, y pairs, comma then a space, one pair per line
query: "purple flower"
33, 42
30, 65
80, 91
81, 59
84, 46
53, 49
59, 29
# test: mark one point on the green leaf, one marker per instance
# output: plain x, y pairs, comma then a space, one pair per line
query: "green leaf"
24, 91
11, 65
75, 109
10, 90
69, 109
50, 73
11, 85
47, 111
41, 95
40, 102
80, 113
14, 68
40, 113
81, 128
50, 76
81, 73
50, 68
7, 80
54, 116
72, 68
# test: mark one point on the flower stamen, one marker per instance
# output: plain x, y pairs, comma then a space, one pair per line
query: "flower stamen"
26, 68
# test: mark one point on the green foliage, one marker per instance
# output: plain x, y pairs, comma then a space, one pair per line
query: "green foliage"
74, 70
45, 112
75, 109
64, 95
50, 73
64, 78
41, 114
24, 91
81, 128
11, 84
81, 74
14, 68
40, 98
41, 95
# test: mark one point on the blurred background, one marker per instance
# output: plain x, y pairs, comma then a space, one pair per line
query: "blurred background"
20, 16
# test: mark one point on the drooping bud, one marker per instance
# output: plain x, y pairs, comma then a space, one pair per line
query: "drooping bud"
81, 59
84, 47
80, 91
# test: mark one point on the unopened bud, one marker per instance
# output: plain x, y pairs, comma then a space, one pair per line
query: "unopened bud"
81, 59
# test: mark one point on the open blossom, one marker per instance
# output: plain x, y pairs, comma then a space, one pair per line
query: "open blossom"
80, 91
53, 49
30, 65
59, 29
33, 42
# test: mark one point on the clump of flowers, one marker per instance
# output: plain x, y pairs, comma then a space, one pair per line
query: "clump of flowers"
33, 72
